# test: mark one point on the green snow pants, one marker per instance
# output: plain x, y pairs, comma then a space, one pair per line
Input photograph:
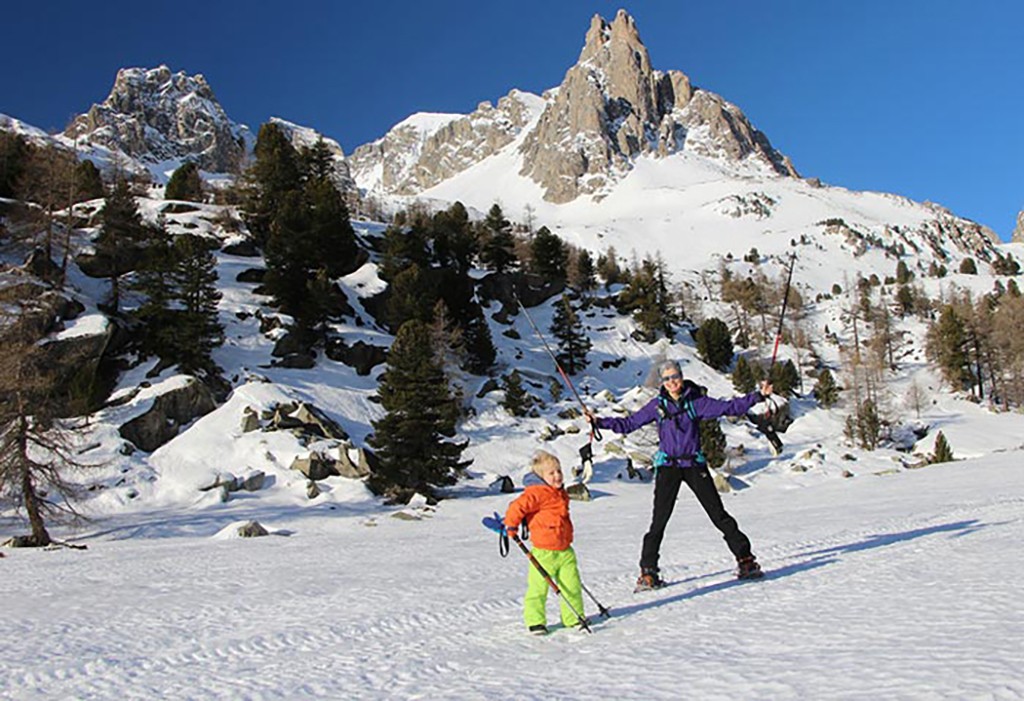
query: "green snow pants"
561, 565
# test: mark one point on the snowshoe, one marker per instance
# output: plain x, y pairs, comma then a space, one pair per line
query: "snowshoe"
747, 568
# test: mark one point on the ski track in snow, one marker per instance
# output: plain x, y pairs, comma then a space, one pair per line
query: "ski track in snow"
876, 602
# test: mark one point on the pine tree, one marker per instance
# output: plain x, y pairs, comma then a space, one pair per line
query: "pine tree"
517, 401
608, 268
121, 237
549, 255
647, 298
968, 266
412, 439
14, 151
573, 344
825, 389
584, 279
943, 453
946, 344
714, 344
903, 274
316, 162
784, 378
198, 330
498, 251
274, 175
712, 442
743, 377
88, 182
185, 184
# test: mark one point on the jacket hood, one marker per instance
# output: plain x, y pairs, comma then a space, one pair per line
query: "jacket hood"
532, 479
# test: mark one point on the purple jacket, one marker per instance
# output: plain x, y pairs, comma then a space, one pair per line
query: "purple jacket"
678, 435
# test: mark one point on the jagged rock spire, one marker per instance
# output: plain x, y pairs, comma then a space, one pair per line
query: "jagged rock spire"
613, 106
1018, 232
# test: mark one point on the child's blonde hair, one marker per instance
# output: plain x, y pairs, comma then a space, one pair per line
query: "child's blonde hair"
542, 459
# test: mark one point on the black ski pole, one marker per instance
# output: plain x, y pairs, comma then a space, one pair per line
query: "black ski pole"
584, 623
782, 316
594, 432
604, 612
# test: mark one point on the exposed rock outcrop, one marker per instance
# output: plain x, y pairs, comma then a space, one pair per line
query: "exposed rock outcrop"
613, 106
1018, 232
170, 411
155, 115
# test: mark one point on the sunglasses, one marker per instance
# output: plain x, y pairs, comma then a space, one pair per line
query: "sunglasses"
673, 376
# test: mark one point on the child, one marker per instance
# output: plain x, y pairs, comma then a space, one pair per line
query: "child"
544, 506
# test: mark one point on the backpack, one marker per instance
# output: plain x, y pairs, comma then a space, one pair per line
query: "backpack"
661, 458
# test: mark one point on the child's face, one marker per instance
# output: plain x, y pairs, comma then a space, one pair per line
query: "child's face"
552, 474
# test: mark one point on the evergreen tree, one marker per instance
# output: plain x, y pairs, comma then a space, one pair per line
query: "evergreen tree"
946, 345
480, 350
869, 425
549, 255
316, 162
825, 389
274, 175
903, 274
14, 151
412, 439
943, 453
185, 184
647, 298
714, 344
712, 442
88, 182
608, 268
517, 401
573, 344
968, 267
455, 243
584, 280
331, 241
121, 237
402, 248
198, 330
411, 296
498, 251
784, 378
743, 377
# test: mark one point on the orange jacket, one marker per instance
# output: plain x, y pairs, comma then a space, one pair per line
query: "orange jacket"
546, 512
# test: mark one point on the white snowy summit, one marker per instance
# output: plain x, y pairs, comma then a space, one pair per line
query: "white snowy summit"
155, 116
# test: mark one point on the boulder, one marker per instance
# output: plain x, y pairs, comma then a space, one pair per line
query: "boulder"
252, 529
361, 356
315, 466
253, 482
169, 412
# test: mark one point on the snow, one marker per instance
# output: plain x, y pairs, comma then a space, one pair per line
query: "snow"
896, 587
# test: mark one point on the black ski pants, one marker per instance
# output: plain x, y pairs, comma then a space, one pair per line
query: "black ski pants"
666, 490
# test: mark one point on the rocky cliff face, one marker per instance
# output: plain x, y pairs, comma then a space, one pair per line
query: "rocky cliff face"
613, 106
1018, 231
155, 115
425, 150
583, 135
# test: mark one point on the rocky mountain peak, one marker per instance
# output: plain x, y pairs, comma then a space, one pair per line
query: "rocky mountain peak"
613, 106
154, 115
1018, 231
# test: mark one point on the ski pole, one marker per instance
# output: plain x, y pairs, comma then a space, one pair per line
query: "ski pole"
604, 612
584, 623
782, 316
595, 433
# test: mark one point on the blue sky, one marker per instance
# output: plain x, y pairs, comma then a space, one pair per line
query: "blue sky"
920, 98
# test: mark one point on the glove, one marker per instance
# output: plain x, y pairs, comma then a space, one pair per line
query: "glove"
495, 523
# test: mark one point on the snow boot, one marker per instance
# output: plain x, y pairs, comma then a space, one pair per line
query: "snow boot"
539, 629
747, 568
649, 580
